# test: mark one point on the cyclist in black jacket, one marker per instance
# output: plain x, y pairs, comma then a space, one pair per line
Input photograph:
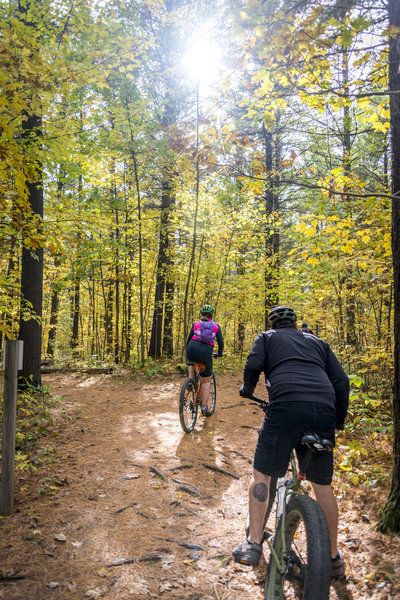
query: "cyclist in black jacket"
308, 391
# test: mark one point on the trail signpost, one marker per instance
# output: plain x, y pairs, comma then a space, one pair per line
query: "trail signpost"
12, 363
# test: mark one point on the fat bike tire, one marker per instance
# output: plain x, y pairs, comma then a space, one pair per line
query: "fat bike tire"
188, 407
306, 566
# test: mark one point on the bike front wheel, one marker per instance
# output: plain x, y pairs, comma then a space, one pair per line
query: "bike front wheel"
303, 569
188, 406
213, 395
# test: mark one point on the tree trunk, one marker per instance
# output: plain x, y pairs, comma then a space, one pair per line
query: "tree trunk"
168, 340
194, 237
163, 301
75, 301
53, 321
108, 318
271, 244
30, 329
164, 264
390, 519
140, 243
117, 306
351, 337
12, 271
241, 269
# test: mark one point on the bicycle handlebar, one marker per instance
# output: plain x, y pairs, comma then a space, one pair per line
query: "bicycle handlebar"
261, 403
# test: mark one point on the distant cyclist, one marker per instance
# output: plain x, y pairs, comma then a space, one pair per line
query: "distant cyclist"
305, 328
199, 348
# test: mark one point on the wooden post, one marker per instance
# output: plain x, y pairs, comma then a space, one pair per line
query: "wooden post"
9, 426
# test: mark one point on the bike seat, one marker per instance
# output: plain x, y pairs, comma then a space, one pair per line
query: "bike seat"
313, 440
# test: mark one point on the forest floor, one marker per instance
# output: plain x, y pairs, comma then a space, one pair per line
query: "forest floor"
111, 527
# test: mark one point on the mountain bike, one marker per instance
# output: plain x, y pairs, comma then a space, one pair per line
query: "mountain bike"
190, 397
300, 562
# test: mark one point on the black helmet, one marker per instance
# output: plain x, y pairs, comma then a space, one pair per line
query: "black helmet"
282, 315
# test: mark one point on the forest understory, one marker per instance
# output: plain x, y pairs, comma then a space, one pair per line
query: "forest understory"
113, 513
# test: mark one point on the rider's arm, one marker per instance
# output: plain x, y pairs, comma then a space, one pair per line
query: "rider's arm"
191, 334
341, 385
220, 340
255, 364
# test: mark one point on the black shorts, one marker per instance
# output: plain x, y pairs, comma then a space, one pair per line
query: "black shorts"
282, 430
199, 352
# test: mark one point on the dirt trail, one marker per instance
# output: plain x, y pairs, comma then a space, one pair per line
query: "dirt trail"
123, 525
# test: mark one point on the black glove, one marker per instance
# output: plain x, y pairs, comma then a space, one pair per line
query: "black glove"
244, 392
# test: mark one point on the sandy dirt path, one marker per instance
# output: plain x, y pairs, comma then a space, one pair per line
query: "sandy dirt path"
120, 523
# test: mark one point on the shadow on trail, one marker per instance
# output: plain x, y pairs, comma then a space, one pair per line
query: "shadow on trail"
204, 461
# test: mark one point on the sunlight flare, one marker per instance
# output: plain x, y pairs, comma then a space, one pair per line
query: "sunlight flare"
202, 61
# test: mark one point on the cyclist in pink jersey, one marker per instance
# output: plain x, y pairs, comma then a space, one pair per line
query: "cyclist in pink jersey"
199, 348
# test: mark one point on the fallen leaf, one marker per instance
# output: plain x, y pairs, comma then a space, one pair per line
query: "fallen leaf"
76, 544
139, 588
53, 585
72, 586
365, 518
60, 537
94, 593
102, 572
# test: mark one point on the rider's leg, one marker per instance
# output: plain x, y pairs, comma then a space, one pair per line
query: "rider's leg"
250, 551
205, 390
258, 503
327, 501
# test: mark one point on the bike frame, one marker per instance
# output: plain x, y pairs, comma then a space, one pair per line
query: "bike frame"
197, 380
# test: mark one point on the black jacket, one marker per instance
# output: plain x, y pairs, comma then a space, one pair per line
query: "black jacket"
298, 366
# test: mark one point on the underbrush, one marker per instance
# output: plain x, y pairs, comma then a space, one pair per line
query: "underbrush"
364, 449
175, 367
34, 421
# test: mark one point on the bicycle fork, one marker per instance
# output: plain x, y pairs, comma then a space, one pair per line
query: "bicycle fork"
282, 500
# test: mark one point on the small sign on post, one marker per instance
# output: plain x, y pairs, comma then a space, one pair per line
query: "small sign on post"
12, 362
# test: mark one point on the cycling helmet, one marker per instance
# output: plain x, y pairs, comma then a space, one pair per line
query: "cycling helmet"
281, 315
207, 310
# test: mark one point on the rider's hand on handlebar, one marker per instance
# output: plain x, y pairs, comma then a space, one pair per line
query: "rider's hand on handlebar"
244, 392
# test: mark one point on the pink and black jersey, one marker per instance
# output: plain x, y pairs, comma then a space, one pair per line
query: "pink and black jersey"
195, 334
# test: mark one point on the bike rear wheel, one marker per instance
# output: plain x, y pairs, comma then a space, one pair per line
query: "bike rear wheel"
213, 394
188, 406
304, 571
